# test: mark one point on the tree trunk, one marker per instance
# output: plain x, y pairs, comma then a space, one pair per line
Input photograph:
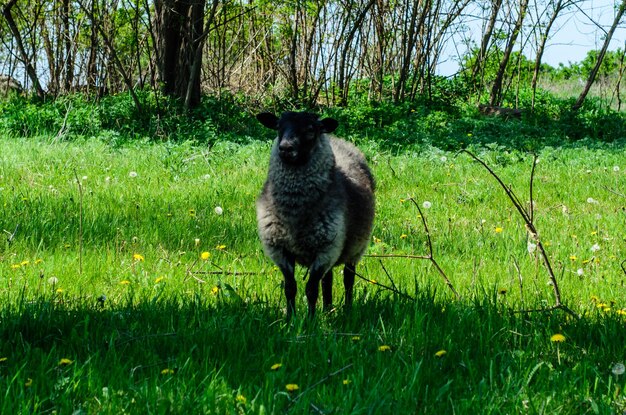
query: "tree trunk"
484, 45
594, 71
30, 69
541, 48
180, 35
496, 90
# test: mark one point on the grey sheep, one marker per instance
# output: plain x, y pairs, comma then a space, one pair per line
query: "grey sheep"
316, 207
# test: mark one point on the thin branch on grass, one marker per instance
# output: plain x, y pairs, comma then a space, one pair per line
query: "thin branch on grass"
386, 287
80, 224
519, 278
530, 228
11, 235
623, 266
615, 192
431, 256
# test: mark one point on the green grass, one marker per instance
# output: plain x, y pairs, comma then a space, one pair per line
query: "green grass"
150, 327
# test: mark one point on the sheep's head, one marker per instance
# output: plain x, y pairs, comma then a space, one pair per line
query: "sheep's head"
298, 132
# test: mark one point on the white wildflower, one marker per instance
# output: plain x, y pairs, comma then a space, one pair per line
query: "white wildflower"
616, 169
218, 210
580, 272
595, 248
132, 174
444, 159
427, 204
531, 247
618, 369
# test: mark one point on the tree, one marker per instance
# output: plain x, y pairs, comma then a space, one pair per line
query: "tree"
180, 36
596, 68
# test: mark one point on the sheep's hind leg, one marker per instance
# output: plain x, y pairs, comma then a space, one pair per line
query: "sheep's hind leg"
348, 282
327, 290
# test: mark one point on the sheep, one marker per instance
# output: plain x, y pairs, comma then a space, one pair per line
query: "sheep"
316, 207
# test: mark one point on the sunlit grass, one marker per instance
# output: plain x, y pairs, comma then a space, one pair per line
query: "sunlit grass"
165, 302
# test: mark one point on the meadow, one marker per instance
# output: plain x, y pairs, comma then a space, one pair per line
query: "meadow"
132, 281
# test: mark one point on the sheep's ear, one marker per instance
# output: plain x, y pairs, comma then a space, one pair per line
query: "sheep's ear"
268, 119
329, 124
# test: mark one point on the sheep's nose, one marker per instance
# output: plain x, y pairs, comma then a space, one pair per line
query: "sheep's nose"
288, 150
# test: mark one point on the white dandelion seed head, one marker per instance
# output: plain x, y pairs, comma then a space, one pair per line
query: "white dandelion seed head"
132, 174
531, 247
443, 159
588, 171
591, 200
618, 369
107, 179
595, 248
53, 280
616, 169
427, 204
218, 210
580, 272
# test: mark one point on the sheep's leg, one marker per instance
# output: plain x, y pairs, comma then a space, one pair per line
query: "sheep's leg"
288, 267
327, 290
348, 282
313, 287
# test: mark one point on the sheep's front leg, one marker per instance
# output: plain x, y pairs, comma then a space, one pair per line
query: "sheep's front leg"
348, 282
327, 290
287, 267
313, 287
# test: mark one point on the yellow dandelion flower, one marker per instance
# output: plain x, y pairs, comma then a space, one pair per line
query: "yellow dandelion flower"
355, 338
215, 290
167, 371
292, 387
594, 233
403, 236
192, 212
15, 266
384, 348
347, 381
138, 257
124, 282
502, 291
241, 399
601, 305
59, 291
595, 298
65, 362
205, 255
557, 338
28, 383
24, 263
38, 261
220, 247
373, 282
3, 359
573, 257
441, 353
621, 312
376, 240
158, 280
276, 366
499, 229
586, 261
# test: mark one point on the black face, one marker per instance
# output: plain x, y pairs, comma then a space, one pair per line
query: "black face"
298, 132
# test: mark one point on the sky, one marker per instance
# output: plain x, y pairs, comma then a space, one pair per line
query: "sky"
573, 35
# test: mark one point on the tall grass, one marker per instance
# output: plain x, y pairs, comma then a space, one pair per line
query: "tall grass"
150, 325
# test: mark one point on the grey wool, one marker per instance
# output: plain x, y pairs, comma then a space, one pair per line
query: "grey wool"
316, 208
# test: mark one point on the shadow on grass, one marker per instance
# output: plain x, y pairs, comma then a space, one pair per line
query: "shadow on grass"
425, 354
